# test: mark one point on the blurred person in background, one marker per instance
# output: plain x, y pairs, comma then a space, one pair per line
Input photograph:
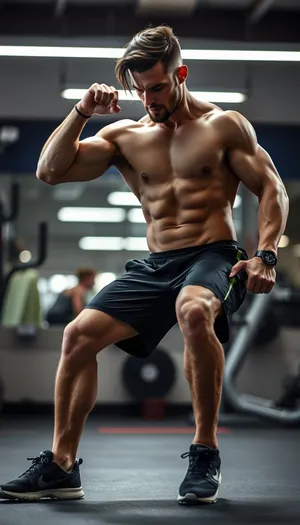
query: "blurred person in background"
71, 302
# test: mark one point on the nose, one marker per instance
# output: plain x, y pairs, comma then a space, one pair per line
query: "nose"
149, 99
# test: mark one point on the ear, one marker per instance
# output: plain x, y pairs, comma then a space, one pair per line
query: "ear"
182, 73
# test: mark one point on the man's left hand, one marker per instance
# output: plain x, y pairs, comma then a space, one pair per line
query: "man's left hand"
261, 278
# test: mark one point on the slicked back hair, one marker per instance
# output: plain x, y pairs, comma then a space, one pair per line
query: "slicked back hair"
145, 50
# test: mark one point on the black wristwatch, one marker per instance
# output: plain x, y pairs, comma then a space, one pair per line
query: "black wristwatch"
269, 258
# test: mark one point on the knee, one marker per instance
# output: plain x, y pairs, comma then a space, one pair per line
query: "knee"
77, 345
194, 316
70, 339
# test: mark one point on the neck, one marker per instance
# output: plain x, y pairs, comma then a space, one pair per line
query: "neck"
184, 111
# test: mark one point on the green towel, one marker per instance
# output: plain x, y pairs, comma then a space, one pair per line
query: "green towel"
22, 302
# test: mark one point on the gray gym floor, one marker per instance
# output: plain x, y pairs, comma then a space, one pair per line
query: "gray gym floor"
133, 478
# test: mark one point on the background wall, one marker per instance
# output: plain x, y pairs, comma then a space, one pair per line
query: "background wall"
31, 102
31, 87
23, 366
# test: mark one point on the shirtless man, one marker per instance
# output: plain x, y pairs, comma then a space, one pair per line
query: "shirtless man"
184, 161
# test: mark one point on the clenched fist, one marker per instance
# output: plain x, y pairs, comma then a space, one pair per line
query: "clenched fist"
100, 99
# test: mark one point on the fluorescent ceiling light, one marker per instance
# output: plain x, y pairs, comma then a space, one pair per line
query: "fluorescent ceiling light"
104, 278
101, 243
242, 55
91, 214
219, 96
58, 282
211, 96
77, 93
123, 198
136, 216
136, 244
117, 52
114, 243
61, 52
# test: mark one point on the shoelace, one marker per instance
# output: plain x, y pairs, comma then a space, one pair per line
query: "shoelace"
199, 462
35, 463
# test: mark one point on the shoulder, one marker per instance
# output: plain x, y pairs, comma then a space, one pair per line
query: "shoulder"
237, 131
112, 131
77, 291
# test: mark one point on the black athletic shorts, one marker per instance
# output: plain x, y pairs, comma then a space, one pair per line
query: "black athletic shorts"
144, 296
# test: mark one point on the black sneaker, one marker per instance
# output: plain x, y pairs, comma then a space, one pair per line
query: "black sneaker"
44, 479
203, 477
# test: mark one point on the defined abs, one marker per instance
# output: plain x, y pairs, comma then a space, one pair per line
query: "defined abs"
163, 235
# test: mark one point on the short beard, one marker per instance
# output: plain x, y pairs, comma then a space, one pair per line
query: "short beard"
167, 114
162, 118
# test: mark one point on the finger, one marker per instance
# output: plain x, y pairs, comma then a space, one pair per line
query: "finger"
260, 285
115, 98
251, 283
98, 96
253, 288
102, 96
269, 287
237, 268
114, 109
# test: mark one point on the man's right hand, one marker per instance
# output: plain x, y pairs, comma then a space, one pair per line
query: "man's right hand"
100, 99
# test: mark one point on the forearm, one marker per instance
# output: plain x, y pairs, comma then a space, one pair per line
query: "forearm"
272, 216
61, 147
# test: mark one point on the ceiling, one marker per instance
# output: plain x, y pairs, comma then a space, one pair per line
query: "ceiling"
211, 24
227, 4
242, 20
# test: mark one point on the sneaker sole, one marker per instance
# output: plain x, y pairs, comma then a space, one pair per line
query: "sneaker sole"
191, 499
61, 494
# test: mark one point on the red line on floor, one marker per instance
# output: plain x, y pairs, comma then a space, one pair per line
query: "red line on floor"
154, 430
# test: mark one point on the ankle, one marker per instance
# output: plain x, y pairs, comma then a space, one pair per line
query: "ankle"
65, 462
208, 442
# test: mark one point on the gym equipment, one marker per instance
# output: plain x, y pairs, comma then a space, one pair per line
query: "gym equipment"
1, 395
14, 211
150, 378
291, 392
41, 249
149, 381
243, 342
269, 329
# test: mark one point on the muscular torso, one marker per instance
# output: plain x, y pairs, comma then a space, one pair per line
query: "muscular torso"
182, 179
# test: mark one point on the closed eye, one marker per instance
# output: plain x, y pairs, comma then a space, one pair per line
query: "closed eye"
158, 88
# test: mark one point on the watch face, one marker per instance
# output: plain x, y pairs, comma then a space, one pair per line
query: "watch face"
269, 258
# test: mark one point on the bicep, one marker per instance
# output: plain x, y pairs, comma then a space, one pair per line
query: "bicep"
94, 156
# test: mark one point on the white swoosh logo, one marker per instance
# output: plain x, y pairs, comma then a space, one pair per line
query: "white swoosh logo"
215, 477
